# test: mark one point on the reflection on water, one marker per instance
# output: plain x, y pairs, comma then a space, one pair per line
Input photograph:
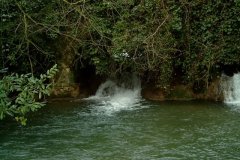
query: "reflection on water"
167, 130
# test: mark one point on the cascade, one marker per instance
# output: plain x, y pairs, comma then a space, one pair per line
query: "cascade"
112, 97
231, 89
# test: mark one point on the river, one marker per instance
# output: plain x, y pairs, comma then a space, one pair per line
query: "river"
89, 130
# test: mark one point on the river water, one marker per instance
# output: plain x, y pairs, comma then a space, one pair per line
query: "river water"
93, 129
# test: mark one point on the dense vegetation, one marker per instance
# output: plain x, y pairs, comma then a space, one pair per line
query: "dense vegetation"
157, 39
154, 37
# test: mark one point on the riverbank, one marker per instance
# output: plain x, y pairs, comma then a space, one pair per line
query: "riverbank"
177, 92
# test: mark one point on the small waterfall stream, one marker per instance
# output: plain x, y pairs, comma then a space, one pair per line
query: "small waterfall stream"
231, 89
112, 97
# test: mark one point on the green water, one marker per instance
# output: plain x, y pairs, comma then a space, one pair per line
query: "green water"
168, 130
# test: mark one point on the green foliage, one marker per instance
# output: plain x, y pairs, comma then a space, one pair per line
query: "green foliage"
153, 38
27, 30
129, 36
210, 37
159, 37
19, 94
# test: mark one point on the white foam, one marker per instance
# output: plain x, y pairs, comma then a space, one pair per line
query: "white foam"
111, 97
231, 90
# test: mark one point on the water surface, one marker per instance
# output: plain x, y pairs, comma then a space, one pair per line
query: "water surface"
91, 130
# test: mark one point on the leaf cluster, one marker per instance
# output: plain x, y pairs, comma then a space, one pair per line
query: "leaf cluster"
20, 94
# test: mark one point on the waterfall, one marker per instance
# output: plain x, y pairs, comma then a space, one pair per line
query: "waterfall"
231, 89
112, 97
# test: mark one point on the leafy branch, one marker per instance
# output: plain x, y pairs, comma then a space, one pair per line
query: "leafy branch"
20, 94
